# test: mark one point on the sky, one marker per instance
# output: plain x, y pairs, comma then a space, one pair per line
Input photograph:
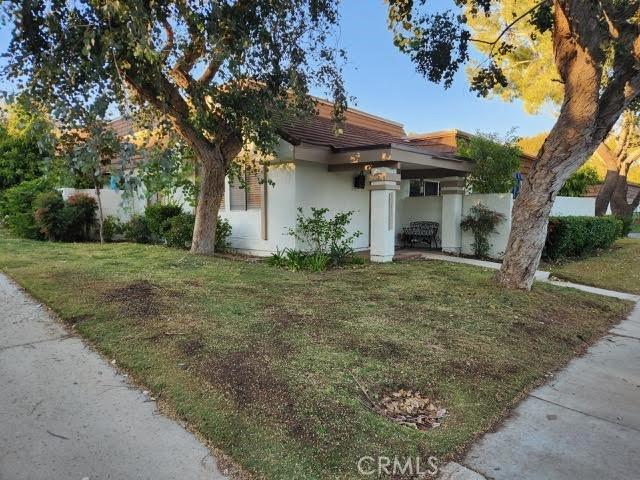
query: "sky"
384, 83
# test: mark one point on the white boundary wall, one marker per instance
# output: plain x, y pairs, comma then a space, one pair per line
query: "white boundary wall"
577, 206
112, 201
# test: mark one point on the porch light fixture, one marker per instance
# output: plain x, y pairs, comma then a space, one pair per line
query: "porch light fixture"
359, 180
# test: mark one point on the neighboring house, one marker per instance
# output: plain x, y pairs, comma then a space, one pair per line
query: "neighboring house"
387, 178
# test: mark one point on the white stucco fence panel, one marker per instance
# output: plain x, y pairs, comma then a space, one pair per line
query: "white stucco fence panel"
113, 202
576, 206
498, 202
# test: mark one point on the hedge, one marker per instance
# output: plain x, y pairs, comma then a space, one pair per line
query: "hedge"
579, 236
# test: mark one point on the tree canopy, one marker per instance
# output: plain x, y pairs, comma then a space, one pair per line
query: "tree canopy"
223, 74
526, 59
25, 143
496, 162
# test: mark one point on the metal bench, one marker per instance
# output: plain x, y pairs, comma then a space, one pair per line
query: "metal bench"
420, 232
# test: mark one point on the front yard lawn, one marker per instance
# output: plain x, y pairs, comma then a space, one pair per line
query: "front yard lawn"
265, 363
615, 269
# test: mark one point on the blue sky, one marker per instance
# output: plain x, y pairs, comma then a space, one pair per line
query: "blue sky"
384, 83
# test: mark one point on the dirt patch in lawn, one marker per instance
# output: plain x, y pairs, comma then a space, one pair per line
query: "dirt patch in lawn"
141, 299
247, 377
191, 346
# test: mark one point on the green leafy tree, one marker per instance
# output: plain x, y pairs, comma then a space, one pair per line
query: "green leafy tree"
579, 182
596, 55
224, 74
496, 162
91, 151
26, 140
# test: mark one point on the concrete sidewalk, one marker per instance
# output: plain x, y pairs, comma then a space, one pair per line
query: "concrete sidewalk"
66, 414
583, 424
540, 275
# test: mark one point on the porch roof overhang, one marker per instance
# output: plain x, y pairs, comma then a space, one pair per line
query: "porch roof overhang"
411, 162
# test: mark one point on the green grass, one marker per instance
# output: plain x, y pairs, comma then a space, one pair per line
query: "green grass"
614, 269
262, 361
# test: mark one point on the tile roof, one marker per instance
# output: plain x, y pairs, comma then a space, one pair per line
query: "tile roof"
320, 130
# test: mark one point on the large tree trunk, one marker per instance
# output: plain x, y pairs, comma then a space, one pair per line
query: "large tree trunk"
571, 141
619, 204
531, 211
212, 175
611, 179
606, 192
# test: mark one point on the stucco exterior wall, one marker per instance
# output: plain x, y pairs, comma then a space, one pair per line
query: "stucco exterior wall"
415, 209
246, 224
316, 187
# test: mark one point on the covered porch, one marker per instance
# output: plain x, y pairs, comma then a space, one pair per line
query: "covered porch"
408, 185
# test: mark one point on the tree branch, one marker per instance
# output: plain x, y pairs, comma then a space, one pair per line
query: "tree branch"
210, 71
493, 43
166, 51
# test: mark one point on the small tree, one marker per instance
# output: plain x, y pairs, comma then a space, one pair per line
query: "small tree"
579, 182
496, 162
91, 150
482, 221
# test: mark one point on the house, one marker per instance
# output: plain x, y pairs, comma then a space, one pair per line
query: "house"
373, 168
388, 179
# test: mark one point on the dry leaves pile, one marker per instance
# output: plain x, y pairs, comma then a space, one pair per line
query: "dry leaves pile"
411, 409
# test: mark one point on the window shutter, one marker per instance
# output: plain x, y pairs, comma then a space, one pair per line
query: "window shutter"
254, 192
237, 197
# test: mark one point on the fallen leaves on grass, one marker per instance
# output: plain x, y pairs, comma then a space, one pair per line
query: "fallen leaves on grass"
411, 409
406, 407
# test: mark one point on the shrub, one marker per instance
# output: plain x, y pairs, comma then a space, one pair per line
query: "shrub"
327, 236
111, 228
223, 232
180, 230
627, 224
158, 216
80, 217
579, 236
50, 215
482, 222
17, 210
137, 230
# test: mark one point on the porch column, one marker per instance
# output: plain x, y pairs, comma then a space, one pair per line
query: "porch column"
383, 183
452, 190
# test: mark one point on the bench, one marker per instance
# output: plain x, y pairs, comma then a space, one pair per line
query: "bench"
420, 232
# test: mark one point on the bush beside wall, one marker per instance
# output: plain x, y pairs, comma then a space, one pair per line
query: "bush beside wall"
579, 236
17, 210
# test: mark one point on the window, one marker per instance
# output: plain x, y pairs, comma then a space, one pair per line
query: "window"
247, 198
423, 188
